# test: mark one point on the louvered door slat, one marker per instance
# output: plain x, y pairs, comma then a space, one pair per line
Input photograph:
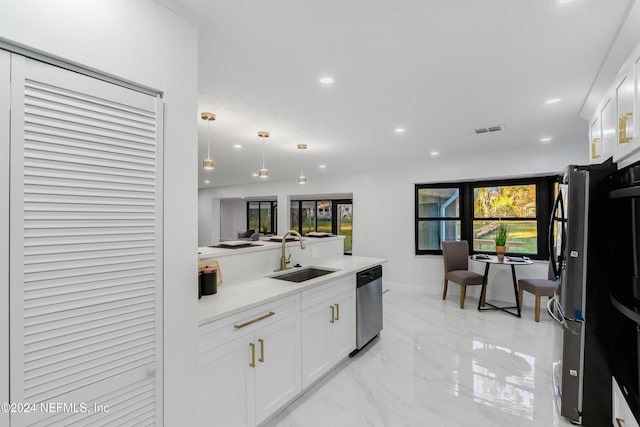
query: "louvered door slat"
85, 281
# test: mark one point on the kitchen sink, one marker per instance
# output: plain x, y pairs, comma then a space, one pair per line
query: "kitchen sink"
302, 275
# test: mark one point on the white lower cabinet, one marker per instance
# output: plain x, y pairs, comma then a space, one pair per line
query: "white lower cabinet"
328, 329
277, 366
622, 415
249, 365
253, 363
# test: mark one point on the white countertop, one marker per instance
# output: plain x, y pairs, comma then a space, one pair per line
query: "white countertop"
206, 252
236, 298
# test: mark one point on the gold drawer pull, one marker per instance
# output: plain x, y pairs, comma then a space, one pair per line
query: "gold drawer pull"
333, 314
622, 128
337, 311
594, 151
620, 422
250, 322
261, 359
253, 355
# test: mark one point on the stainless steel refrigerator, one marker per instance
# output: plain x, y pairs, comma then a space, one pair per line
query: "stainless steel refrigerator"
579, 246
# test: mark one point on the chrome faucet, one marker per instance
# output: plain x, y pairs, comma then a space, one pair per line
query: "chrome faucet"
283, 259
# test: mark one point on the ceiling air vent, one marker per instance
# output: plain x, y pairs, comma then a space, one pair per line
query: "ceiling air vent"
489, 129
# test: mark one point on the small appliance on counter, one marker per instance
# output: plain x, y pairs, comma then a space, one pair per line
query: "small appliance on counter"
208, 277
208, 281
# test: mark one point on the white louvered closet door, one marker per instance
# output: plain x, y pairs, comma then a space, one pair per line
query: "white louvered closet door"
86, 249
5, 90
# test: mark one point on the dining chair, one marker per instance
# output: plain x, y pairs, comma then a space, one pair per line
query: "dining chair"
540, 288
456, 268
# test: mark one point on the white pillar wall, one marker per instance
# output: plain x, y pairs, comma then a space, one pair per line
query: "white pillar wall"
284, 219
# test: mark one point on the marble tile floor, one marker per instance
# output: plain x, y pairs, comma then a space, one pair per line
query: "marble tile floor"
437, 365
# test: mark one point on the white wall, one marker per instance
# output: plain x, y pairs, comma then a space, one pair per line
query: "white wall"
145, 43
384, 213
233, 217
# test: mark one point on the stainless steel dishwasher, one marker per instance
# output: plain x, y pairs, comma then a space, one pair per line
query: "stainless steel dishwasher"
368, 305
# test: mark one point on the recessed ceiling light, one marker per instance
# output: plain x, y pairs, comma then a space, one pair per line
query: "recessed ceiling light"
323, 166
206, 181
435, 153
565, 1
552, 101
399, 130
237, 146
326, 80
254, 174
545, 140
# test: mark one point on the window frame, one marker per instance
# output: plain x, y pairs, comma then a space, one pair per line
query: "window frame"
419, 219
544, 202
273, 209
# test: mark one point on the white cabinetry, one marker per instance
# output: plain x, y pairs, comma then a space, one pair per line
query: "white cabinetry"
608, 118
624, 94
622, 415
614, 125
249, 364
328, 328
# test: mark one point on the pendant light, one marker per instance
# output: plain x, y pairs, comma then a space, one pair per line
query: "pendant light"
208, 163
263, 173
302, 179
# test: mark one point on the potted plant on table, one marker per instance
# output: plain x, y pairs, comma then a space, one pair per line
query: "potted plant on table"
501, 236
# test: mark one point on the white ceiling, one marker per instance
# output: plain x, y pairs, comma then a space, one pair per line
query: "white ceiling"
439, 69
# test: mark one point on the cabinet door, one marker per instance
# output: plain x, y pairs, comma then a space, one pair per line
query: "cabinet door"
624, 97
316, 322
609, 129
622, 414
278, 376
342, 335
225, 385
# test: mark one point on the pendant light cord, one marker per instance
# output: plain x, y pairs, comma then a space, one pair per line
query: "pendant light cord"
208, 140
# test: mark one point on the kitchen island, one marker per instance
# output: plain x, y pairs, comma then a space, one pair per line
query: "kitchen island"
263, 341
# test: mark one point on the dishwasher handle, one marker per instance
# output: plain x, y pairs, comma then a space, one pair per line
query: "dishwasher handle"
369, 275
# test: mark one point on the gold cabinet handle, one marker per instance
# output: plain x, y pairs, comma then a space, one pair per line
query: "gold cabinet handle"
250, 322
620, 422
261, 359
253, 355
333, 314
337, 311
622, 128
594, 150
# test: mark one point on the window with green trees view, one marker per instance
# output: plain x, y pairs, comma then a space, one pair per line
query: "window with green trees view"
473, 211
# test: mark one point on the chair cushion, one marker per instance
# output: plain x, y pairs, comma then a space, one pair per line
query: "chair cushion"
464, 277
539, 287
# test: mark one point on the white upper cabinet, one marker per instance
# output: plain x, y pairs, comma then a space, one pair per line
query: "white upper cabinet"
624, 93
608, 137
613, 126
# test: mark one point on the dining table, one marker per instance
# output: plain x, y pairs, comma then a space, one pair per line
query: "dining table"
511, 261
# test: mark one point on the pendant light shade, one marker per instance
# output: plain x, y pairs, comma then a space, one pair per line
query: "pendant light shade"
302, 179
208, 163
263, 173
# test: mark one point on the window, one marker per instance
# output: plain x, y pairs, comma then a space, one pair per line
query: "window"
328, 216
515, 205
438, 213
262, 217
473, 211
